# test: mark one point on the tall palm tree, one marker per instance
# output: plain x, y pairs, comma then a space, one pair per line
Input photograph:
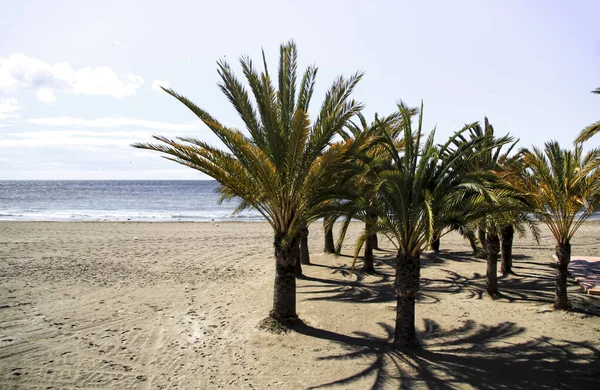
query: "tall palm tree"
564, 188
281, 165
591, 130
405, 207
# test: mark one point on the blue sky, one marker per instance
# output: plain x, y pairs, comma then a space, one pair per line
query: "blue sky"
77, 77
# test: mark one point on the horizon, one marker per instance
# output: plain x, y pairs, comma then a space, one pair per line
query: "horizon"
72, 104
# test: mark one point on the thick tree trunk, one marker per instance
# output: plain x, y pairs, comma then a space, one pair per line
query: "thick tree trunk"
481, 236
491, 274
508, 233
304, 254
435, 242
563, 253
408, 270
329, 244
375, 241
284, 294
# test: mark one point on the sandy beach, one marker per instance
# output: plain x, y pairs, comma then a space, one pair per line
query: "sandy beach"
176, 305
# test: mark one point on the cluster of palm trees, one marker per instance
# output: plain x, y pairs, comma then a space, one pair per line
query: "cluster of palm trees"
387, 173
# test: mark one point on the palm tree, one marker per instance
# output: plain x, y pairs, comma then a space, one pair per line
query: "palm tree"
405, 207
370, 159
563, 187
508, 209
591, 130
281, 165
504, 209
520, 219
485, 162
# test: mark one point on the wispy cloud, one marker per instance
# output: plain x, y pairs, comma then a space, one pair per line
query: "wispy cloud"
113, 122
118, 132
119, 43
21, 72
72, 137
9, 105
8, 109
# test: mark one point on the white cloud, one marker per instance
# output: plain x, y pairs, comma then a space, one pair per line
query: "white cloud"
71, 137
45, 95
156, 84
119, 43
18, 72
9, 105
113, 122
8, 109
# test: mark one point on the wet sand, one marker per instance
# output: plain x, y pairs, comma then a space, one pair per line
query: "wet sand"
176, 305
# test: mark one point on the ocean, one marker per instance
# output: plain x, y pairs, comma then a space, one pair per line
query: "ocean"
107, 200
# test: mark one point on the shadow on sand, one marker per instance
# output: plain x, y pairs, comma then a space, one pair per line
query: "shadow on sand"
472, 354
530, 282
486, 357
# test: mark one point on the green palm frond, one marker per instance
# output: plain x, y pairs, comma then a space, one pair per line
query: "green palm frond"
591, 130
562, 186
285, 166
420, 182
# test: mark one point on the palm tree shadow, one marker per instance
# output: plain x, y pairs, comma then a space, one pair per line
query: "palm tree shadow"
355, 291
532, 282
445, 256
484, 357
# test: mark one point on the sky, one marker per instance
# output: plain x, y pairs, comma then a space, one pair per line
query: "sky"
79, 79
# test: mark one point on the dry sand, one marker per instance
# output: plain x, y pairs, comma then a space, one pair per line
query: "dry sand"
176, 305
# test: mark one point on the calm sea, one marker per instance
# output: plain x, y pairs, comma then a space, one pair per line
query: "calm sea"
116, 201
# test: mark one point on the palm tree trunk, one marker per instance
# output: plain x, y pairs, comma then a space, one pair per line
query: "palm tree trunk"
408, 270
435, 242
481, 236
304, 254
563, 253
284, 293
329, 244
370, 244
508, 233
368, 258
491, 275
375, 242
472, 241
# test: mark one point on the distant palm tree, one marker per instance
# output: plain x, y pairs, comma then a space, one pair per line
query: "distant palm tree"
591, 130
405, 207
520, 219
508, 209
283, 167
564, 188
504, 209
369, 160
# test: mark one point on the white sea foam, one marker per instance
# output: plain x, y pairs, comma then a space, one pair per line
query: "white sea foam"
116, 201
